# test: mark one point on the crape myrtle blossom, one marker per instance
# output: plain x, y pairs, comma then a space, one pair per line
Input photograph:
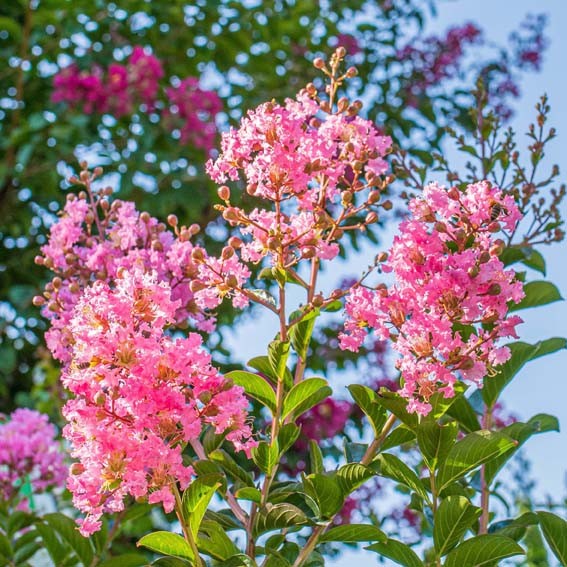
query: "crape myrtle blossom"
83, 247
140, 396
315, 169
448, 308
29, 452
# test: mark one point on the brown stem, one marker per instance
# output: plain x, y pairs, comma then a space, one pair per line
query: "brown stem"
485, 488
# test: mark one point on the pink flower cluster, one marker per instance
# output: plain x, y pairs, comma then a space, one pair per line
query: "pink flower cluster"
83, 247
140, 396
192, 110
120, 89
314, 170
323, 421
435, 58
116, 91
529, 42
449, 305
29, 453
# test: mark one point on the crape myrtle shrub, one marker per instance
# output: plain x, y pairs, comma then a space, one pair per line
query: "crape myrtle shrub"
152, 421
143, 88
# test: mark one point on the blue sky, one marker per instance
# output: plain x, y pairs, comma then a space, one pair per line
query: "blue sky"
542, 385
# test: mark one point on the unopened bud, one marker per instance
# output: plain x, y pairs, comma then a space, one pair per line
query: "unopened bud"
205, 396
484, 257
231, 280
196, 286
57, 282
145, 217
273, 243
197, 255
319, 63
454, 193
38, 301
235, 242
224, 193
387, 205
100, 399
38, 260
318, 300
374, 197
494, 227
494, 289
340, 52
76, 468
230, 215
473, 271
308, 252
97, 172
172, 220
371, 218
227, 253
381, 257
440, 227
352, 72
467, 363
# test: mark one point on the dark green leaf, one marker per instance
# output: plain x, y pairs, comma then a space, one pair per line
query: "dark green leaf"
353, 475
197, 497
471, 452
126, 560
392, 467
398, 552
483, 550
300, 333
435, 441
554, 530
366, 400
537, 293
288, 436
352, 533
279, 516
453, 518
401, 435
278, 353
67, 529
266, 455
315, 457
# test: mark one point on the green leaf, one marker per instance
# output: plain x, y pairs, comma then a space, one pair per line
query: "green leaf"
57, 551
527, 256
464, 413
231, 467
469, 453
126, 560
520, 432
352, 533
197, 497
327, 492
67, 529
400, 435
398, 552
172, 562
315, 457
167, 543
300, 333
435, 441
263, 365
239, 560
304, 396
487, 549
287, 436
277, 517
453, 518
249, 493
554, 530
514, 528
366, 400
278, 353
537, 293
398, 406
521, 353
266, 455
440, 404
213, 541
6, 550
255, 386
391, 467
353, 475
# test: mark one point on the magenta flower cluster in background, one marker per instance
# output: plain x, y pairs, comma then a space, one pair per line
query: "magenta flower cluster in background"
187, 111
29, 453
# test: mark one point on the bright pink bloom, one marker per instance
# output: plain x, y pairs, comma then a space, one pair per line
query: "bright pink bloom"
139, 397
449, 305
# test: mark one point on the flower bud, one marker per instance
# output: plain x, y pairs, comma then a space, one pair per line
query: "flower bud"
494, 289
76, 469
231, 280
352, 72
196, 286
308, 252
374, 197
145, 217
319, 63
38, 301
227, 253
224, 193
235, 242
172, 220
371, 218
318, 300
387, 205
197, 255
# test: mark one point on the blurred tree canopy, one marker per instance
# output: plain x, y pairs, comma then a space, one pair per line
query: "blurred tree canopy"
244, 52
